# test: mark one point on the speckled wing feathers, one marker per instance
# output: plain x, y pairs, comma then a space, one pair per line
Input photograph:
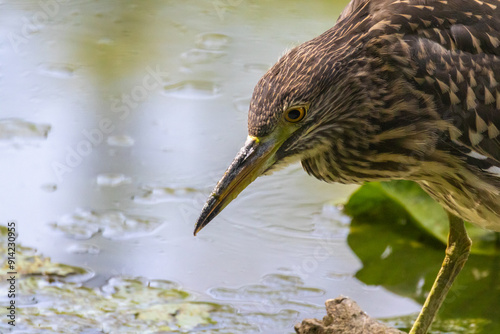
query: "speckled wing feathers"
466, 89
455, 46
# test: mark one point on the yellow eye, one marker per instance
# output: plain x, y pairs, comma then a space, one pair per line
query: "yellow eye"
295, 114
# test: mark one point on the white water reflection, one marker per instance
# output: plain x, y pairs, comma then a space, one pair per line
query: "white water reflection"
145, 102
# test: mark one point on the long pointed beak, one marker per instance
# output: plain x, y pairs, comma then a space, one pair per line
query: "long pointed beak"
253, 159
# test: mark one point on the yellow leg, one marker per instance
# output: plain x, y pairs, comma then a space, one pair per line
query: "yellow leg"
457, 252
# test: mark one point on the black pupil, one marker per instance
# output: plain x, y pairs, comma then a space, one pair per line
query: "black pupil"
294, 114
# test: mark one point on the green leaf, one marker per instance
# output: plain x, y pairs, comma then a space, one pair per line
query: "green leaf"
398, 203
399, 234
123, 305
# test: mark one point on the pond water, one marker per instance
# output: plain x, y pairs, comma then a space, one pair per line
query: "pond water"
116, 120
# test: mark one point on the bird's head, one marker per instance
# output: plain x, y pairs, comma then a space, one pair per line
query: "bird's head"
289, 110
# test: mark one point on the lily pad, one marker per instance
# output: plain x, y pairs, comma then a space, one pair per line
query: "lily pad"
407, 264
404, 202
64, 305
28, 262
394, 235
51, 298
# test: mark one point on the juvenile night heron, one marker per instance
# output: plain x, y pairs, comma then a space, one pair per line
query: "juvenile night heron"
405, 89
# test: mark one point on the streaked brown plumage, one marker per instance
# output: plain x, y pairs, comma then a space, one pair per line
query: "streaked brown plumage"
398, 90
395, 90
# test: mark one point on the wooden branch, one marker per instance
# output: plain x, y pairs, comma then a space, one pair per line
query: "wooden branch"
344, 316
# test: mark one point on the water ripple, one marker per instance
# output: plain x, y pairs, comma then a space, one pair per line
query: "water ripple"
159, 194
112, 180
212, 41
120, 140
193, 89
197, 56
115, 225
14, 131
57, 70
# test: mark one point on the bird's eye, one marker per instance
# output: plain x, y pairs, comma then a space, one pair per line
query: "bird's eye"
295, 114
